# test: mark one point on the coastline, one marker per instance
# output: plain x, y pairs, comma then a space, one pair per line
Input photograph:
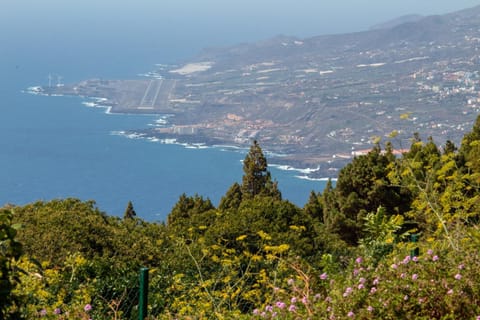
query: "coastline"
201, 142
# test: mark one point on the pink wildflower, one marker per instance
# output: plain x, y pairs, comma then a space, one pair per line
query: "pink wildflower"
359, 260
375, 281
293, 300
458, 276
414, 276
292, 308
461, 266
323, 276
361, 286
373, 290
429, 252
450, 291
435, 258
350, 314
394, 266
290, 282
347, 291
280, 305
369, 308
87, 307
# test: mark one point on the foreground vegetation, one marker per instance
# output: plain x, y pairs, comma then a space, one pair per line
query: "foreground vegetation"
395, 237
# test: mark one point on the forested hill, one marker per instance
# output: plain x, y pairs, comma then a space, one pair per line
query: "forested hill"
395, 238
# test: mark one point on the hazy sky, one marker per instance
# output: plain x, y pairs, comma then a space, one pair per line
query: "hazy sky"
189, 25
260, 17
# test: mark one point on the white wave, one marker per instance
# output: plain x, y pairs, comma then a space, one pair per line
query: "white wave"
290, 168
314, 179
197, 146
133, 135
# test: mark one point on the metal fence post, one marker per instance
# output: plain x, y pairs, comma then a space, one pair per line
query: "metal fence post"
415, 251
143, 298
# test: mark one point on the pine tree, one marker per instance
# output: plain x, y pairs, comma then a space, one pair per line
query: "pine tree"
257, 179
313, 207
232, 199
129, 211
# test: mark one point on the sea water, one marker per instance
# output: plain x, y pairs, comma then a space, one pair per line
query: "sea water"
56, 147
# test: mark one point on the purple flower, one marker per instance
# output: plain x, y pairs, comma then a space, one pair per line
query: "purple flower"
256, 312
292, 308
359, 260
347, 291
304, 300
87, 307
394, 266
414, 276
361, 286
269, 308
43, 313
290, 282
402, 275
362, 280
415, 259
373, 290
435, 258
375, 281
406, 260
461, 266
458, 276
355, 272
450, 291
429, 252
57, 311
323, 276
293, 300
350, 314
280, 305
369, 308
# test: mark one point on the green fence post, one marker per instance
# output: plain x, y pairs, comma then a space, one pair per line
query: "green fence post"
143, 298
415, 251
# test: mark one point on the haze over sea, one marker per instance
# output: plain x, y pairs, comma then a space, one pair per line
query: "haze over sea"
55, 147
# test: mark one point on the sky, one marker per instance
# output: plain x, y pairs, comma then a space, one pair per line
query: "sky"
181, 28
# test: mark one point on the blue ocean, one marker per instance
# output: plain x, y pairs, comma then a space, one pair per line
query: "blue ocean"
56, 147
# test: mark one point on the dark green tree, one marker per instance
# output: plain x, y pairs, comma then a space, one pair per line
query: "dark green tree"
188, 210
257, 179
232, 199
129, 211
314, 207
363, 186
